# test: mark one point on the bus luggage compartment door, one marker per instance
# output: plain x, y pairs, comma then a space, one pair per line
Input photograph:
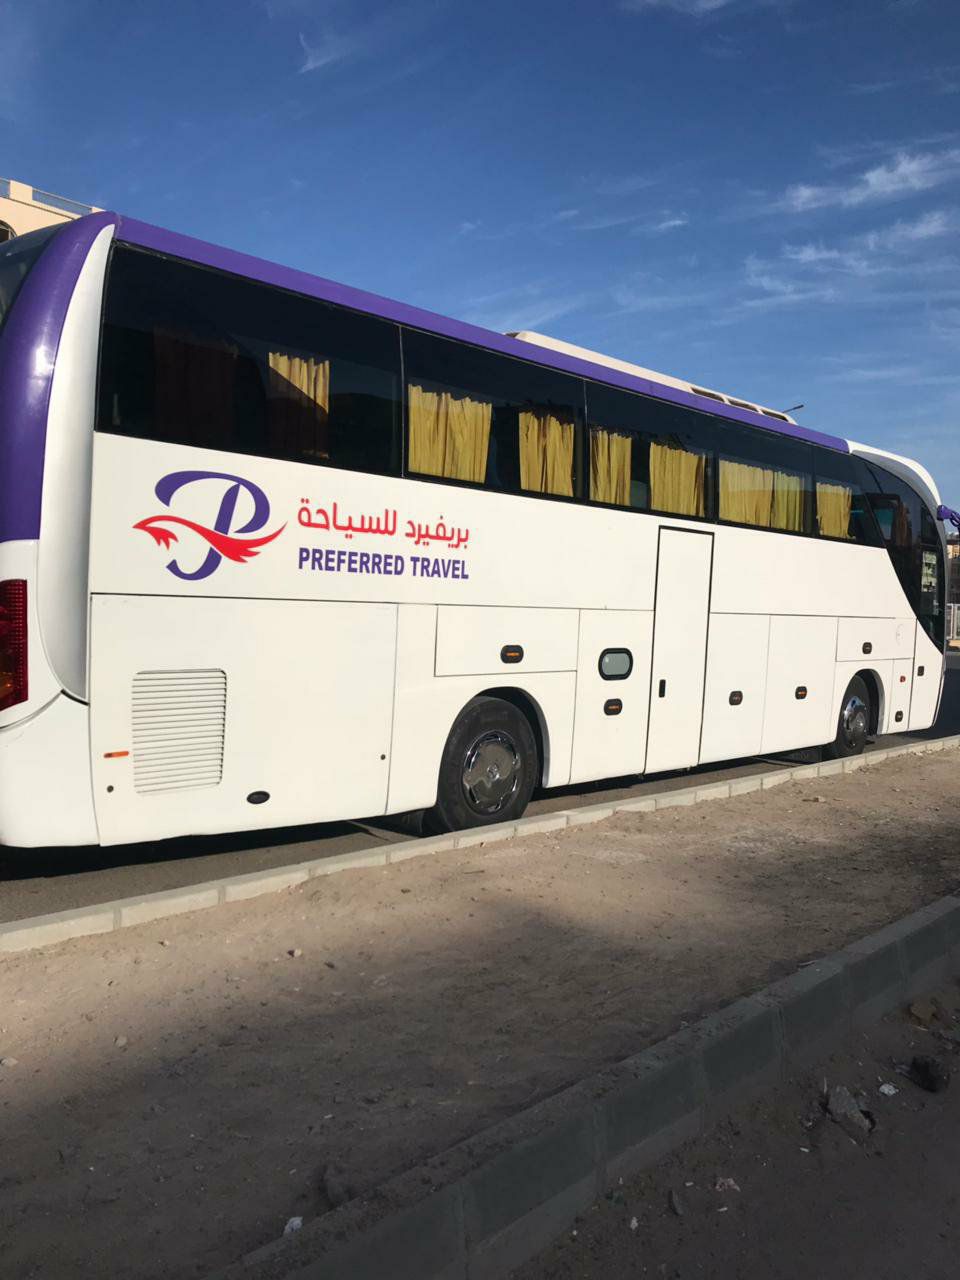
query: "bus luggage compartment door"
212, 715
684, 566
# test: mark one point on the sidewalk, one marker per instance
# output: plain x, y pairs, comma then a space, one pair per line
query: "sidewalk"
181, 1089
807, 1201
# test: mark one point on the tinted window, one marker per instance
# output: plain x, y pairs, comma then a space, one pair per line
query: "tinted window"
481, 418
192, 356
615, 664
842, 508
764, 480
649, 454
17, 256
913, 542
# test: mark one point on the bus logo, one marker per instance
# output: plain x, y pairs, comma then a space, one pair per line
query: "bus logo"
223, 542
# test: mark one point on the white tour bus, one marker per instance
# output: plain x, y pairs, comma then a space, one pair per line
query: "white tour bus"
276, 551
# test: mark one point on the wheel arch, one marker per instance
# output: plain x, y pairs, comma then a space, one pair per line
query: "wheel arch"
877, 693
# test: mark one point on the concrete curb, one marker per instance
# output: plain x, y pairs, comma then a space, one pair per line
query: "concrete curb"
488, 1205
106, 917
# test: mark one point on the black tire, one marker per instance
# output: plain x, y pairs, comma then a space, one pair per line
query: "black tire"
489, 768
853, 723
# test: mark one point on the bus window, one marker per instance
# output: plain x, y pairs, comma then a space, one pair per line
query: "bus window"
648, 454
482, 418
17, 256
842, 508
194, 356
913, 543
765, 481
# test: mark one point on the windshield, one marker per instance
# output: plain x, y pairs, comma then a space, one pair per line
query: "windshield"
17, 256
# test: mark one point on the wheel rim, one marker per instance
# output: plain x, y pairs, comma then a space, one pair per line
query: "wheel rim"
854, 722
492, 770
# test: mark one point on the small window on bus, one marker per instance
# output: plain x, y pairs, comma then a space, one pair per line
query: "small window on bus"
615, 664
649, 454
481, 418
842, 508
197, 357
765, 480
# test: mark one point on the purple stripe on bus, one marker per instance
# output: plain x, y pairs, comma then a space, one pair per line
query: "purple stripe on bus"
180, 246
28, 349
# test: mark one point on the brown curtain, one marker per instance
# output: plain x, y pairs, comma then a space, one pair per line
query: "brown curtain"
546, 453
834, 508
677, 480
194, 387
449, 434
610, 467
298, 398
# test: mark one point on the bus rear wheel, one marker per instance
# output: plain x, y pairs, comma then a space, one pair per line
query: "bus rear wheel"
488, 770
853, 725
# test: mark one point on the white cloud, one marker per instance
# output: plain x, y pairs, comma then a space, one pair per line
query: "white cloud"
671, 223
328, 50
946, 325
902, 234
525, 306
696, 8
626, 185
823, 258
940, 79
607, 221
780, 291
905, 175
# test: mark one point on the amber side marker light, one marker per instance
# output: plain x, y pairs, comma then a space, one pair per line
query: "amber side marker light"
14, 686
115, 755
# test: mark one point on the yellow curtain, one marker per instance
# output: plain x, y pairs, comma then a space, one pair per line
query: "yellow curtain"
746, 494
449, 434
788, 502
546, 453
609, 467
299, 404
834, 508
677, 480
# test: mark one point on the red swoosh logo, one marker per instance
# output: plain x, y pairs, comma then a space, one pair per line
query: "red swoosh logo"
230, 547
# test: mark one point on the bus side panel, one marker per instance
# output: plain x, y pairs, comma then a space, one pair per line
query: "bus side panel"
799, 710
756, 572
605, 745
736, 684
197, 705
426, 706
928, 670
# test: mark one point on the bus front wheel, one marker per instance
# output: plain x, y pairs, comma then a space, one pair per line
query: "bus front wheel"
853, 725
488, 770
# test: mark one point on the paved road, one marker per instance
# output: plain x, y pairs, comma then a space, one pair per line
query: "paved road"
37, 882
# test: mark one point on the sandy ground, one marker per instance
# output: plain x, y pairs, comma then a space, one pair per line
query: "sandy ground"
178, 1090
810, 1202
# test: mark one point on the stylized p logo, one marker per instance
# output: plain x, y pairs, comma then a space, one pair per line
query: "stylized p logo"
222, 541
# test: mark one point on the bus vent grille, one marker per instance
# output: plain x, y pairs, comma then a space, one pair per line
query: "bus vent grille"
178, 729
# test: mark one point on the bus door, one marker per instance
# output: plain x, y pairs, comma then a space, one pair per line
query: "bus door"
682, 606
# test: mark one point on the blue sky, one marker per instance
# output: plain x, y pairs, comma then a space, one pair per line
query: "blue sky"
761, 195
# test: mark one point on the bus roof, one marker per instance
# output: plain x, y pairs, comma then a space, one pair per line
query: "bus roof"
556, 356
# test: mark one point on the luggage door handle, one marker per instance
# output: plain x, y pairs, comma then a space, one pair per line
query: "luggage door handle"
663, 689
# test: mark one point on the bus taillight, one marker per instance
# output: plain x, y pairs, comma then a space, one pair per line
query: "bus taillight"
13, 642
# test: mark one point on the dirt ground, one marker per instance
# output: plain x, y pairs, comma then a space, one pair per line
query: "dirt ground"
172, 1094
810, 1202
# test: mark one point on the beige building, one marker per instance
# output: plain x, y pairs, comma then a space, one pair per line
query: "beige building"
24, 208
